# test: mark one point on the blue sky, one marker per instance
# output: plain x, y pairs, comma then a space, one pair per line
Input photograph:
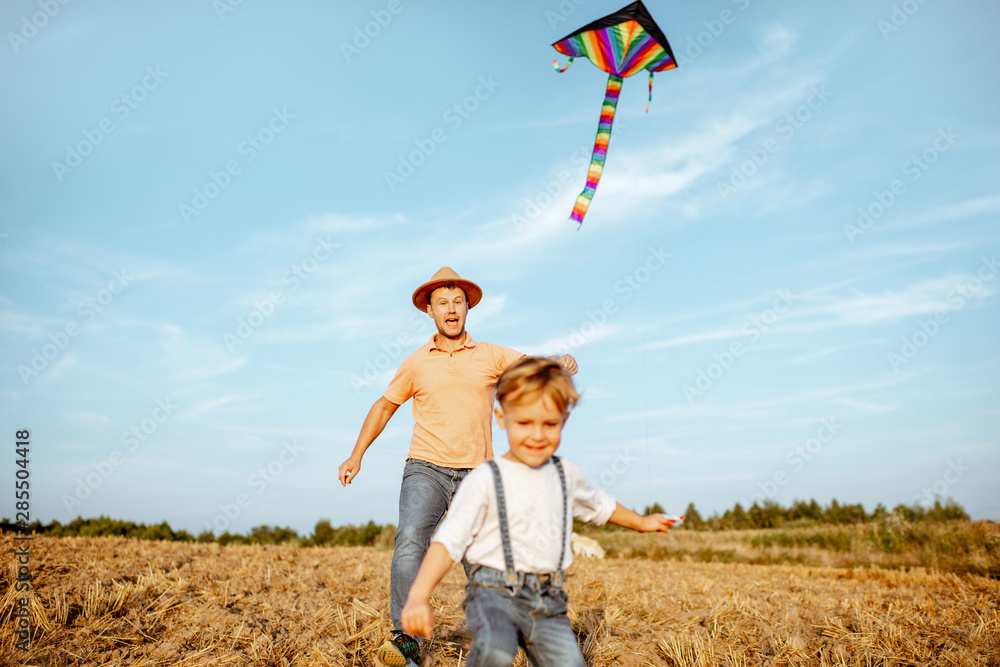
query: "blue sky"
212, 216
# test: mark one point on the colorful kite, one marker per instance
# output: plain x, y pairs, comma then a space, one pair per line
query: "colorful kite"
621, 44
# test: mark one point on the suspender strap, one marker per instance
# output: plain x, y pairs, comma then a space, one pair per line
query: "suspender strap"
510, 575
557, 578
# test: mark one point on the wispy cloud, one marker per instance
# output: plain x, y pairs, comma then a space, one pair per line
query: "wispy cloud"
980, 206
27, 325
220, 367
87, 418
823, 309
571, 342
826, 351
863, 406
60, 367
738, 412
699, 337
487, 309
213, 404
859, 309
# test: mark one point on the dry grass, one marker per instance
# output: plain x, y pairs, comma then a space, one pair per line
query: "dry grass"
116, 602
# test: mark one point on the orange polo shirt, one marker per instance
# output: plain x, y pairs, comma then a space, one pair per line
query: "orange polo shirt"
452, 400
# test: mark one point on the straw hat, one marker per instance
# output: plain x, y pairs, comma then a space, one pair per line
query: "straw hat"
445, 276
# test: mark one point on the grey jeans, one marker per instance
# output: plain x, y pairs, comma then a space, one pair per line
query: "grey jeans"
532, 616
424, 496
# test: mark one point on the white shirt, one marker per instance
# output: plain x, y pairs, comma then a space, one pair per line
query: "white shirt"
534, 507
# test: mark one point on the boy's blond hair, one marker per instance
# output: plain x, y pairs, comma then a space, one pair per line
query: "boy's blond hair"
532, 378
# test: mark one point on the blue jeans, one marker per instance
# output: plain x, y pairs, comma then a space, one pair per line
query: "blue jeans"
424, 497
534, 618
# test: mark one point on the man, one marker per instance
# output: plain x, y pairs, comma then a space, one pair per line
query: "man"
451, 380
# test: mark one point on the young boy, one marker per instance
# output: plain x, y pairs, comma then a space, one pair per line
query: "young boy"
512, 520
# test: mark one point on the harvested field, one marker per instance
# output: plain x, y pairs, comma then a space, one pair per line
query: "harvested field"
115, 601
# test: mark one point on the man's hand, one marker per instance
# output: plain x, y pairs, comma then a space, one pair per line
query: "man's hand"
569, 363
349, 470
418, 618
379, 415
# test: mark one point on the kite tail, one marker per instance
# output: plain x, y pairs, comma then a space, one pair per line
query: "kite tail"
600, 148
555, 63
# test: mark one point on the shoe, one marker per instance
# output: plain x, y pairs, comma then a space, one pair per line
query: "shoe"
402, 650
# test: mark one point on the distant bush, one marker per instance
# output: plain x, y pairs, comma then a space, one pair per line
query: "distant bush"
80, 527
345, 536
275, 535
370, 534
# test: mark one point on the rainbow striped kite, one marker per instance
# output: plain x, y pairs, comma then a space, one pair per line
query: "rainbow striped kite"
621, 44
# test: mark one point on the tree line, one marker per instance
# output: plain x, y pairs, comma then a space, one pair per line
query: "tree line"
767, 515
323, 534
771, 514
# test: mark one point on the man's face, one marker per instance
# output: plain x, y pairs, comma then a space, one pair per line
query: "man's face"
448, 307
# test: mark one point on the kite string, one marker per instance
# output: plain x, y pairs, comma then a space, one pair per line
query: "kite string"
642, 334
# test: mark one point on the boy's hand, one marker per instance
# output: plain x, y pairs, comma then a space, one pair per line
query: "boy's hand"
348, 470
418, 618
656, 523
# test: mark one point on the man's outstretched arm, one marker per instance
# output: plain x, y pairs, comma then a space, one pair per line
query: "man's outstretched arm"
377, 418
569, 363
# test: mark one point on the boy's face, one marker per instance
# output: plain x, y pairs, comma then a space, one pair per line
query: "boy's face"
448, 307
533, 430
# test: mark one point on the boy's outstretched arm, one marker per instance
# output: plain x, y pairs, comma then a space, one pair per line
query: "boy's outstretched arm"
377, 418
417, 616
626, 518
